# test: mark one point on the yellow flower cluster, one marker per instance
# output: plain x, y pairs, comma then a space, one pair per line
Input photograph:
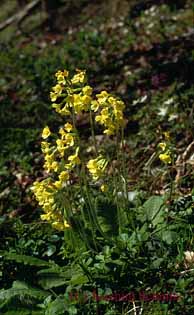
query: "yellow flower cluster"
76, 96
45, 195
81, 102
53, 154
97, 167
165, 156
60, 158
66, 139
57, 90
111, 114
71, 96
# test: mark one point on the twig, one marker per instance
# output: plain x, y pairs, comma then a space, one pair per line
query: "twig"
135, 313
133, 309
188, 150
181, 161
20, 16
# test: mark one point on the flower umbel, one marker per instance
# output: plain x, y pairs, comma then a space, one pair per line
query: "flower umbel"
45, 194
97, 167
70, 97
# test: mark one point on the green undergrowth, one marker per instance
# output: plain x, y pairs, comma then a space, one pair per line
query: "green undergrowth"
52, 278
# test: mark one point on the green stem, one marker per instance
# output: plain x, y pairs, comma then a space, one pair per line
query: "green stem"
93, 133
92, 207
118, 185
79, 224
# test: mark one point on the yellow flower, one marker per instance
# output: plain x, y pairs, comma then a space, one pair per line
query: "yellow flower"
46, 217
165, 157
60, 144
61, 75
102, 97
72, 95
49, 159
116, 104
104, 187
62, 133
56, 106
103, 117
46, 132
87, 90
64, 176
58, 226
54, 166
95, 105
74, 159
86, 99
53, 96
162, 145
58, 184
65, 73
69, 140
45, 147
79, 77
110, 130
97, 167
61, 147
58, 89
80, 102
68, 127
66, 224
64, 111
77, 103
167, 135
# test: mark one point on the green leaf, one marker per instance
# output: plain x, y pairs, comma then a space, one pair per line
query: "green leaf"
20, 285
54, 277
153, 210
169, 236
23, 311
21, 290
26, 260
107, 215
78, 279
60, 307
57, 307
157, 262
51, 280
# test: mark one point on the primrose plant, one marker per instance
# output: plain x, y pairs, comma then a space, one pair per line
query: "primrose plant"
67, 194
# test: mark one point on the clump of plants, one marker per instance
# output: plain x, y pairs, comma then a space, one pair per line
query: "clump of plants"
73, 179
116, 241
